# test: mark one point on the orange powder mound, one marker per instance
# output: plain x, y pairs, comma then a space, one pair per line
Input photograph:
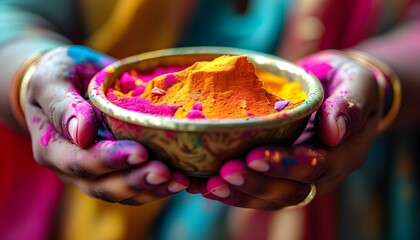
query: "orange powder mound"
226, 87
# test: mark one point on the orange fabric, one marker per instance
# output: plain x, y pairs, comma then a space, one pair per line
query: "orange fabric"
138, 26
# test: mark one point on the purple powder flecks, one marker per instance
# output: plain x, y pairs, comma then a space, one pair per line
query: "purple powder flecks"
127, 82
195, 114
281, 104
198, 107
169, 80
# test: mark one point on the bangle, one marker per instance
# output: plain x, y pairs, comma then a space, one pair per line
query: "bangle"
19, 87
389, 83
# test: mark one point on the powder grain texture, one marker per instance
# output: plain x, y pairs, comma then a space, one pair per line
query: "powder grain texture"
226, 87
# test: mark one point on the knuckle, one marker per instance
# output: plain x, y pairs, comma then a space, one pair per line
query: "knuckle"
100, 193
131, 202
77, 170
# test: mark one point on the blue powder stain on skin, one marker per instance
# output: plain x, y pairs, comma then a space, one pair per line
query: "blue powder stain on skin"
288, 162
81, 54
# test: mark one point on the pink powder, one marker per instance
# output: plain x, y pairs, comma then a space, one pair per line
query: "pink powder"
138, 90
195, 114
198, 106
147, 76
127, 82
137, 104
170, 80
142, 105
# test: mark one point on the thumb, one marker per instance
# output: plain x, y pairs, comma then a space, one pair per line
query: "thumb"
352, 96
79, 123
52, 88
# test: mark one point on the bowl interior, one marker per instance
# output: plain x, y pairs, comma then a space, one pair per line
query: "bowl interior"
187, 56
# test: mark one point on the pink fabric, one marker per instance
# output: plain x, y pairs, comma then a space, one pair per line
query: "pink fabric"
345, 23
29, 193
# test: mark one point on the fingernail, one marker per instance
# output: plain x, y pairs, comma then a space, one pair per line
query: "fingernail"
342, 127
258, 157
135, 159
155, 179
73, 126
235, 179
221, 191
218, 187
232, 171
175, 187
259, 165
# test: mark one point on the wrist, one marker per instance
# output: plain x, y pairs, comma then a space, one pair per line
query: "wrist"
19, 86
389, 84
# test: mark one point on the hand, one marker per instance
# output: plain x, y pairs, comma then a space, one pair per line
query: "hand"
334, 143
68, 136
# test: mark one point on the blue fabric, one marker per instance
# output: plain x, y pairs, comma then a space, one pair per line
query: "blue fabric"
190, 217
217, 23
380, 200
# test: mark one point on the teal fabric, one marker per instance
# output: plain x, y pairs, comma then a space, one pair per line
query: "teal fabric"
216, 23
190, 217
61, 16
381, 199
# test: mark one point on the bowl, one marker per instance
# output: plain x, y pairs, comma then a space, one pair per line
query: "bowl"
199, 147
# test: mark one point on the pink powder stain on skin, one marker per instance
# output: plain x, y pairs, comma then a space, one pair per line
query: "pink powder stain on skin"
321, 70
36, 120
46, 138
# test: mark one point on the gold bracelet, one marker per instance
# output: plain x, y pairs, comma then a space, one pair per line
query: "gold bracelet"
19, 87
389, 83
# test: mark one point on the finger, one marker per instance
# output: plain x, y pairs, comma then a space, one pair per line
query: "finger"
218, 189
149, 182
87, 64
178, 183
351, 95
53, 150
352, 101
51, 88
251, 183
58, 86
301, 163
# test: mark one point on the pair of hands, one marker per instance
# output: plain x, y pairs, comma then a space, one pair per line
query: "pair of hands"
68, 136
